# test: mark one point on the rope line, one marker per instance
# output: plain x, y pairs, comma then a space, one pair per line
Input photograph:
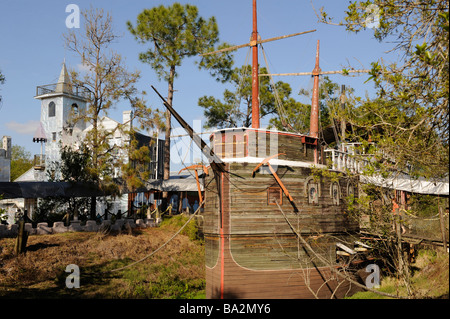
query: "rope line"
326, 261
162, 246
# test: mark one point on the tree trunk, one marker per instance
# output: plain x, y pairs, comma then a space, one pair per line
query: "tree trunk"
167, 135
93, 207
403, 267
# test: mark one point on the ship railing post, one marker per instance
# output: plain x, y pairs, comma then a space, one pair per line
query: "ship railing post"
344, 161
340, 161
349, 162
353, 168
333, 159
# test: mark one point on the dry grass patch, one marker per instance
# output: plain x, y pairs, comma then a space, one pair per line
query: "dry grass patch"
177, 271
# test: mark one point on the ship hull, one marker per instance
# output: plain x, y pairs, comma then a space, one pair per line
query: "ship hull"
229, 280
254, 248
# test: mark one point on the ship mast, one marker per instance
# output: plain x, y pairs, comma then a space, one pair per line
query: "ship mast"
317, 71
314, 119
254, 41
255, 68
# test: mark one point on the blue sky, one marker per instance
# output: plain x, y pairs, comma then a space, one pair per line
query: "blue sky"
32, 52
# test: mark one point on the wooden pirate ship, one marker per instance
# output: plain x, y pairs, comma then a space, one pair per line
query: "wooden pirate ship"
271, 222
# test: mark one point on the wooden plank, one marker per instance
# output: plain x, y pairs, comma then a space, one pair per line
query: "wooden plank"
346, 249
258, 243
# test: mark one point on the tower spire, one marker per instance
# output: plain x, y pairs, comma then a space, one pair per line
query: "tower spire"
64, 85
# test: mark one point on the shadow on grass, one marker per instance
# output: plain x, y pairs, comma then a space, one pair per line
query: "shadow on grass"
91, 278
38, 246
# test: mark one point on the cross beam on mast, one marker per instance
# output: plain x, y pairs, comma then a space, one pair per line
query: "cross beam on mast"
314, 119
311, 73
255, 66
316, 71
251, 43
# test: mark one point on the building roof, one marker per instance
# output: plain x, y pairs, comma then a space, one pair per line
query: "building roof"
64, 85
39, 135
178, 182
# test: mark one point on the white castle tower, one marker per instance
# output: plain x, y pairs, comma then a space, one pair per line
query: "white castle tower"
61, 106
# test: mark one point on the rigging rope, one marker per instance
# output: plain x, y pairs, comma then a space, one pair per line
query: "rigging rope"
322, 259
238, 95
163, 245
278, 103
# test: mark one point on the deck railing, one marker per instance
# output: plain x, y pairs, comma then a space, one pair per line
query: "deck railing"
74, 90
352, 157
343, 161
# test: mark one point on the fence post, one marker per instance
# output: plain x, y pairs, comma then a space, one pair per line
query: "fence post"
22, 237
442, 222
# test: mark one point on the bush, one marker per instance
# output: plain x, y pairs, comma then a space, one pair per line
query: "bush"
177, 221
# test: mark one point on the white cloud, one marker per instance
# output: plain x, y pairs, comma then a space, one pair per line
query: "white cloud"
28, 128
83, 67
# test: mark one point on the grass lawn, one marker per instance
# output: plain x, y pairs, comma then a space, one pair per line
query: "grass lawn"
176, 271
430, 278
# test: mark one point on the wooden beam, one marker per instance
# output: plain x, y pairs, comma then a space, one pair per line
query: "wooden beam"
264, 162
345, 248
362, 244
216, 163
312, 73
252, 43
277, 178
195, 167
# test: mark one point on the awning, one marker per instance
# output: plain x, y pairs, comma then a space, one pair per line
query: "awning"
48, 189
11, 190
175, 185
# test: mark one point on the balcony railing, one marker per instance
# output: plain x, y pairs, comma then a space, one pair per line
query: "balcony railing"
74, 90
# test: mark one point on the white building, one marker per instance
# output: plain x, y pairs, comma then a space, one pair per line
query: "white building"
61, 104
5, 159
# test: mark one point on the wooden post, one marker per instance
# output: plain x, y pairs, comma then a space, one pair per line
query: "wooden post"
442, 222
22, 237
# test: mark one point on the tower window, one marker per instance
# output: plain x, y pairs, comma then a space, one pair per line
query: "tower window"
75, 109
53, 136
51, 109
